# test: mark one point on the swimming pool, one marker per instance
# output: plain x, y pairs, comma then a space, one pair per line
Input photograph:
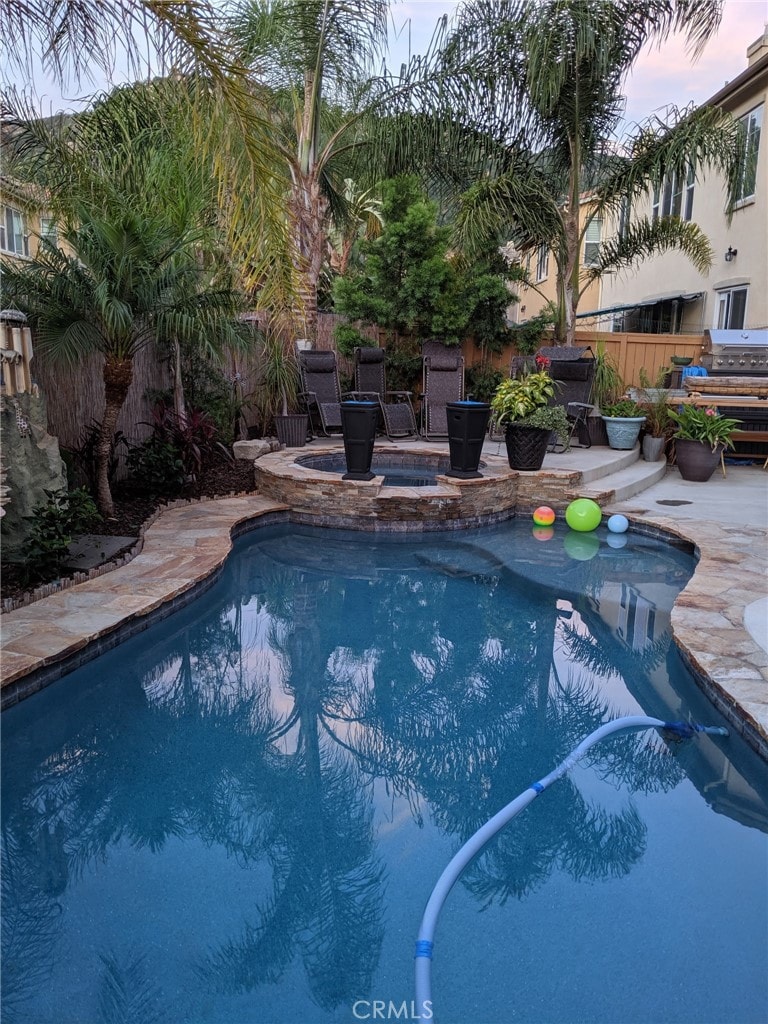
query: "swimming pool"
238, 815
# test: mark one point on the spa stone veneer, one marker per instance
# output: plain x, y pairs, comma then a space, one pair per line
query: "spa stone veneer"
305, 483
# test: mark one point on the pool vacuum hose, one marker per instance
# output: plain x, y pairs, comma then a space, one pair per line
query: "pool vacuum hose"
473, 846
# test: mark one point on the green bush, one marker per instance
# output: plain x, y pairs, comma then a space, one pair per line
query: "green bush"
53, 525
482, 382
527, 337
348, 338
156, 467
624, 409
403, 371
410, 285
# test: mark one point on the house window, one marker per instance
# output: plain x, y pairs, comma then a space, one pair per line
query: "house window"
675, 196
624, 211
48, 230
592, 242
690, 184
730, 309
636, 620
750, 125
542, 263
13, 235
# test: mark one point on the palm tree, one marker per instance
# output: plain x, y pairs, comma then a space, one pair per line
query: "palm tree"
229, 124
131, 280
313, 58
529, 97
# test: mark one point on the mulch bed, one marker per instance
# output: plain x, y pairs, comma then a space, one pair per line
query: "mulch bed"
131, 510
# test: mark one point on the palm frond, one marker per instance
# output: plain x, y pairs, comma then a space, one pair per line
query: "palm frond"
127, 995
513, 201
645, 238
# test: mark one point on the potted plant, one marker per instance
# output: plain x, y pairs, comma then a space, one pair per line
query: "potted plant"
520, 405
607, 388
623, 420
652, 399
279, 386
701, 437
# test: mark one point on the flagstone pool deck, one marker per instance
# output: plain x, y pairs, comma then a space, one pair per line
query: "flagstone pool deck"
720, 619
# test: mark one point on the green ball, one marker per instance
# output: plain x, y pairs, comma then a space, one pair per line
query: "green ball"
581, 547
583, 515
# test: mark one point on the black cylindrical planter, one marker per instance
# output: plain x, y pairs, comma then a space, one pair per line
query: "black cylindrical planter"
467, 424
358, 426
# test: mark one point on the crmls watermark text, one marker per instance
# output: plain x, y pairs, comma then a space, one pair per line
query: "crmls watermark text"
381, 1009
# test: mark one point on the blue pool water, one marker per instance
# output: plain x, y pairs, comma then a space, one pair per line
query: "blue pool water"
237, 816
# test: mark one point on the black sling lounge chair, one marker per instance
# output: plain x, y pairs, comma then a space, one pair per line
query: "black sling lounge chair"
320, 390
370, 382
443, 374
573, 370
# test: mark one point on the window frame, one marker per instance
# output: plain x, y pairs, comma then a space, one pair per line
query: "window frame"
724, 302
674, 197
750, 131
8, 232
49, 229
625, 212
542, 263
594, 260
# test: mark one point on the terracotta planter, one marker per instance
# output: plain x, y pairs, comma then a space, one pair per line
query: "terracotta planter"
526, 446
696, 460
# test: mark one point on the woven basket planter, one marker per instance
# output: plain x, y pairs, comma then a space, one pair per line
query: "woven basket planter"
526, 446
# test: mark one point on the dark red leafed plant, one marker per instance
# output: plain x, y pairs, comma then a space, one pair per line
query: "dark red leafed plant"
194, 436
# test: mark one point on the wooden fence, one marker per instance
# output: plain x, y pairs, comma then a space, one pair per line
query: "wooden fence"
75, 397
631, 352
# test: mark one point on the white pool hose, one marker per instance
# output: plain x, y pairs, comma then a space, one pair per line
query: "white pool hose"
473, 846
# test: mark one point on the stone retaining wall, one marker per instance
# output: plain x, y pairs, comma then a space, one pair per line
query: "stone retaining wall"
501, 491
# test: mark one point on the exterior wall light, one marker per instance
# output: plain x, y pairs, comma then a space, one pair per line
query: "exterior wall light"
731, 254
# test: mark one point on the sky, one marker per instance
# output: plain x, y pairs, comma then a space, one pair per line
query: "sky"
661, 76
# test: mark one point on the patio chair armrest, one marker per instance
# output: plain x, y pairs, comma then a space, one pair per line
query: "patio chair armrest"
307, 396
398, 394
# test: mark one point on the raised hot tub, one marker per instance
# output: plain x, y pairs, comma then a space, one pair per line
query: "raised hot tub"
398, 469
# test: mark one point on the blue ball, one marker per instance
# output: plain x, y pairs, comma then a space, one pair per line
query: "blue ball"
618, 524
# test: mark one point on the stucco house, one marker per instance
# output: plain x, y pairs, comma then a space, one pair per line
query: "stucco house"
666, 293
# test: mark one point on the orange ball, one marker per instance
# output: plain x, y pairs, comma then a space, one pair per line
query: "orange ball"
543, 533
544, 516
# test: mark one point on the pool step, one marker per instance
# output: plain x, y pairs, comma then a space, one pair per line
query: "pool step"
625, 482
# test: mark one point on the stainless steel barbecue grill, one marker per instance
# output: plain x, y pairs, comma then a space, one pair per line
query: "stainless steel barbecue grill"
736, 353
737, 356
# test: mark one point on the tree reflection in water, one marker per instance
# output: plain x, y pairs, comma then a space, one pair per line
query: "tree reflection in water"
261, 722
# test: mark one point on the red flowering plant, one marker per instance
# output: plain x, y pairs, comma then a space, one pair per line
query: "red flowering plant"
706, 425
542, 364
